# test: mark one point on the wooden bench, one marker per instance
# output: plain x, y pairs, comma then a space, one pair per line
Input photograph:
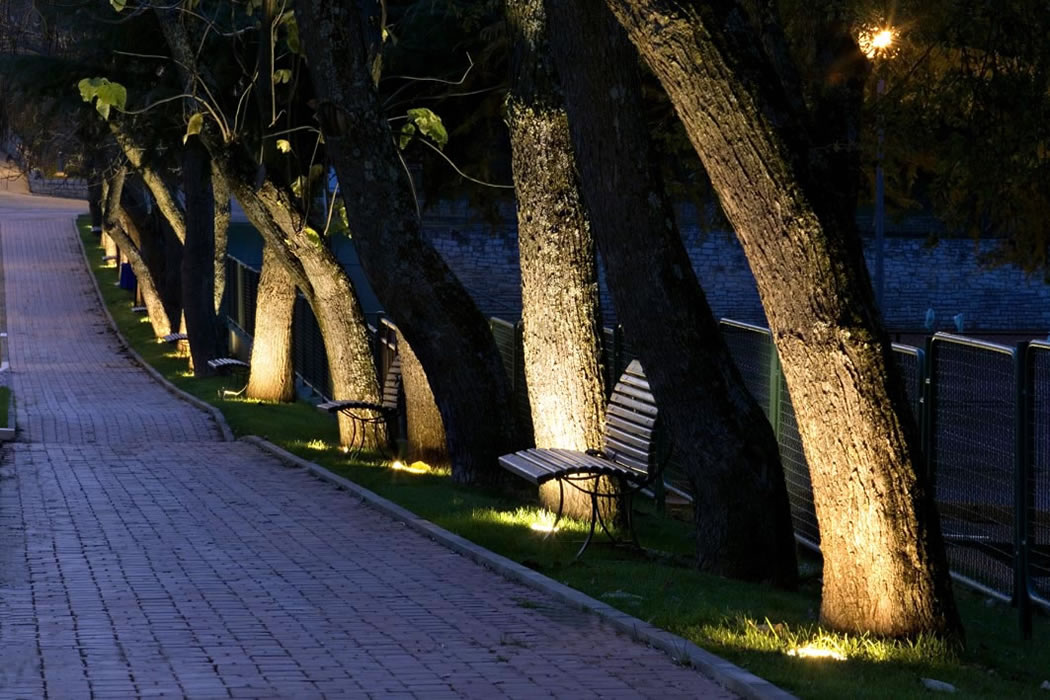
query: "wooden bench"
628, 456
173, 338
231, 365
365, 415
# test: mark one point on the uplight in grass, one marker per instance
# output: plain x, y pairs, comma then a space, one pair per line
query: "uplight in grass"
317, 445
414, 468
812, 652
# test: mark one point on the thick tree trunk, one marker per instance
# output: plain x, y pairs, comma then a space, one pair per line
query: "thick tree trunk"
885, 569
427, 303
425, 436
560, 309
725, 443
198, 259
118, 226
222, 228
271, 376
560, 312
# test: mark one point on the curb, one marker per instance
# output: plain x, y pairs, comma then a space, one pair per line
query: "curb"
216, 414
729, 675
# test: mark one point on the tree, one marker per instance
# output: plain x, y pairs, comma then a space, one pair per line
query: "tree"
277, 203
885, 569
272, 377
725, 443
428, 304
561, 314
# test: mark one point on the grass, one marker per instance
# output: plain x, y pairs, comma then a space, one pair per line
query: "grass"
752, 625
5, 399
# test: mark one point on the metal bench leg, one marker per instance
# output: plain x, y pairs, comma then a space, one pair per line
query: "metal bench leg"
590, 533
561, 506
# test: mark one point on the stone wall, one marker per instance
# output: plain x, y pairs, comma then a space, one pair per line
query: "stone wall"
69, 188
947, 277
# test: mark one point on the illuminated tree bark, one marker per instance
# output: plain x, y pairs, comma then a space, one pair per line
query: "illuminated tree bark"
885, 570
725, 443
118, 226
425, 430
271, 375
428, 304
560, 309
559, 277
222, 227
282, 224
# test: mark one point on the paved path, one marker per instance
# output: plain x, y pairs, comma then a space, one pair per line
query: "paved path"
140, 555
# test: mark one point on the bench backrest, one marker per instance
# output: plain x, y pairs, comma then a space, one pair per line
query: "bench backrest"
630, 420
392, 384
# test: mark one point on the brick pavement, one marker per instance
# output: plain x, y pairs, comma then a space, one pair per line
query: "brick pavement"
142, 556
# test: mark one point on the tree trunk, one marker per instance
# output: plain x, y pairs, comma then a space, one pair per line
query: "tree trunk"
725, 443
885, 569
427, 303
272, 377
117, 225
560, 309
198, 259
222, 228
282, 224
425, 436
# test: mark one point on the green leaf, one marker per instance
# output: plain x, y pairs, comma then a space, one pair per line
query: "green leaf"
193, 126
430, 125
284, 146
292, 36
118, 5
407, 132
104, 93
312, 235
113, 94
282, 75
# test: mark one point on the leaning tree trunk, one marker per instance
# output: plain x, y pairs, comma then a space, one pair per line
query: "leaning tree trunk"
428, 304
117, 226
885, 569
271, 375
198, 259
725, 443
274, 213
560, 308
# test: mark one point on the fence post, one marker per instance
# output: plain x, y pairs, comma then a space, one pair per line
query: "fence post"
929, 420
1022, 482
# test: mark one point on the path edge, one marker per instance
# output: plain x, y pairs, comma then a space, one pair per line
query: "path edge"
215, 413
681, 650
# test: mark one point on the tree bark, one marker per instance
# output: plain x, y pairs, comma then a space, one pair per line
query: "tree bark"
271, 375
426, 301
222, 228
275, 214
560, 308
198, 258
885, 569
425, 430
560, 312
117, 225
725, 444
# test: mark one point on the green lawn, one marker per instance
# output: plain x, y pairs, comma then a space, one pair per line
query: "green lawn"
752, 625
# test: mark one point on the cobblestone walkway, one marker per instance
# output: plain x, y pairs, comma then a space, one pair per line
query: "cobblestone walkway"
142, 556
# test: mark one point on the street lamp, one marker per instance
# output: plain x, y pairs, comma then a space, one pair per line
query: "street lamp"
879, 44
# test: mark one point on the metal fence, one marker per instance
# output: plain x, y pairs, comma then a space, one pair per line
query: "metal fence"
984, 416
